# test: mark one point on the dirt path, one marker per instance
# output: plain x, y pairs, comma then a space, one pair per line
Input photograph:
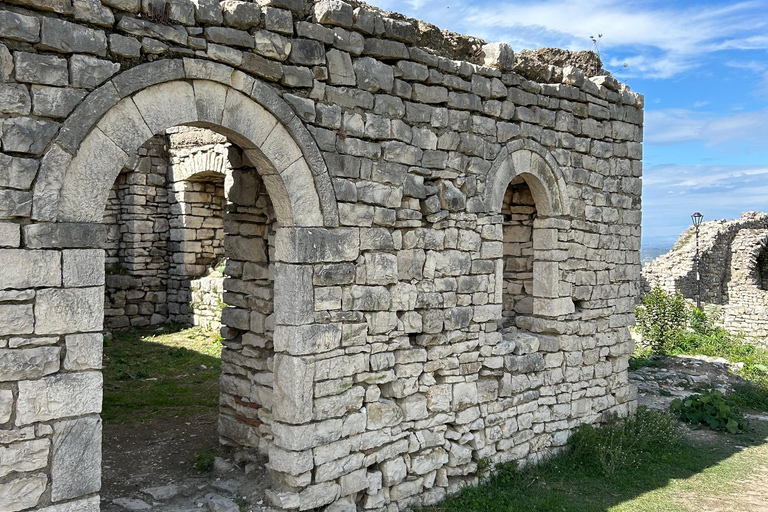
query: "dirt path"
161, 454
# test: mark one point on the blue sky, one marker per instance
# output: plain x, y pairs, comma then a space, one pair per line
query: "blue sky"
702, 66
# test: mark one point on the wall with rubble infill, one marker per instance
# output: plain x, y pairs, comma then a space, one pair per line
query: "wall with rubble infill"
734, 272
392, 315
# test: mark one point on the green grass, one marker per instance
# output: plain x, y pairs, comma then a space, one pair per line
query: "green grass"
655, 477
159, 373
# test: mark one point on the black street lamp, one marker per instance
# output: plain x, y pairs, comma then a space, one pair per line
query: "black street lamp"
697, 218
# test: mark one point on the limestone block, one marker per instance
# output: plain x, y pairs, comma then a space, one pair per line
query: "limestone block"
55, 101
64, 310
293, 388
83, 267
94, 12
122, 46
294, 295
245, 249
84, 505
76, 458
316, 496
373, 75
271, 45
19, 27
83, 351
316, 245
58, 396
243, 15
28, 363
22, 493
334, 12
89, 72
339, 405
291, 462
27, 135
17, 173
553, 307
166, 105
6, 408
393, 471
14, 99
24, 456
63, 36
6, 63
16, 319
381, 268
247, 118
307, 339
383, 413
340, 69
207, 11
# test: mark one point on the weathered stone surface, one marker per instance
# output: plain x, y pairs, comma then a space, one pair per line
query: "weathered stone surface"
58, 396
15, 203
76, 461
66, 37
89, 72
10, 234
17, 319
307, 339
55, 101
29, 269
498, 55
122, 46
373, 75
6, 408
293, 387
83, 351
83, 267
24, 456
27, 135
333, 12
243, 15
94, 12
42, 69
14, 99
311, 245
59, 311
22, 493
19, 27
17, 172
84, 505
29, 363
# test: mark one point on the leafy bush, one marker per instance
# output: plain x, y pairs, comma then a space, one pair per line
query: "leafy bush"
662, 319
621, 443
204, 462
711, 409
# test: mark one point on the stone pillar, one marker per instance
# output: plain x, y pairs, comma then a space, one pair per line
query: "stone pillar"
317, 353
51, 313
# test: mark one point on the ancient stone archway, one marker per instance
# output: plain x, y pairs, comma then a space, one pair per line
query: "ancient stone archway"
386, 150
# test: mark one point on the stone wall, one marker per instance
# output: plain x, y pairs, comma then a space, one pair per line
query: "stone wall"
733, 271
371, 154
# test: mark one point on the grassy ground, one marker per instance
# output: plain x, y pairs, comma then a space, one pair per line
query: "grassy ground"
678, 477
151, 374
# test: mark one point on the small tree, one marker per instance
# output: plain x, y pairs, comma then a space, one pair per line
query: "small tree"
662, 319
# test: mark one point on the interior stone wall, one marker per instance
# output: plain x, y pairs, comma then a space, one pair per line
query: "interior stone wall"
364, 351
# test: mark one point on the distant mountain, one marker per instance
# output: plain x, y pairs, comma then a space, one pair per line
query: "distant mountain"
648, 254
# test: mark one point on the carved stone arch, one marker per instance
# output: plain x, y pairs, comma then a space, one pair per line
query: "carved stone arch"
530, 161
78, 171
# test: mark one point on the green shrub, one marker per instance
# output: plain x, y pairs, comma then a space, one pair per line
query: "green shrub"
662, 319
620, 444
711, 409
204, 462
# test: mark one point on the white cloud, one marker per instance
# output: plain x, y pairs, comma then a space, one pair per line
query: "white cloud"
745, 130
657, 39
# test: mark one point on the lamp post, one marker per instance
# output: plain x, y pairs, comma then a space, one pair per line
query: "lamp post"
697, 218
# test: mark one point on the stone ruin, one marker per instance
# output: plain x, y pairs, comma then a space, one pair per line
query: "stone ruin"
431, 247
734, 272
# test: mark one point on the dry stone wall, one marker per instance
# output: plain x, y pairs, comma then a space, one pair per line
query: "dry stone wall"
733, 272
367, 351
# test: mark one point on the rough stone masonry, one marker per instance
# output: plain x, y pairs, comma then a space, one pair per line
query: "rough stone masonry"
733, 270
432, 243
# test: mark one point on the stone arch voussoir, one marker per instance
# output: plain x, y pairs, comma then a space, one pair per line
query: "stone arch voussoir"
538, 168
115, 120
